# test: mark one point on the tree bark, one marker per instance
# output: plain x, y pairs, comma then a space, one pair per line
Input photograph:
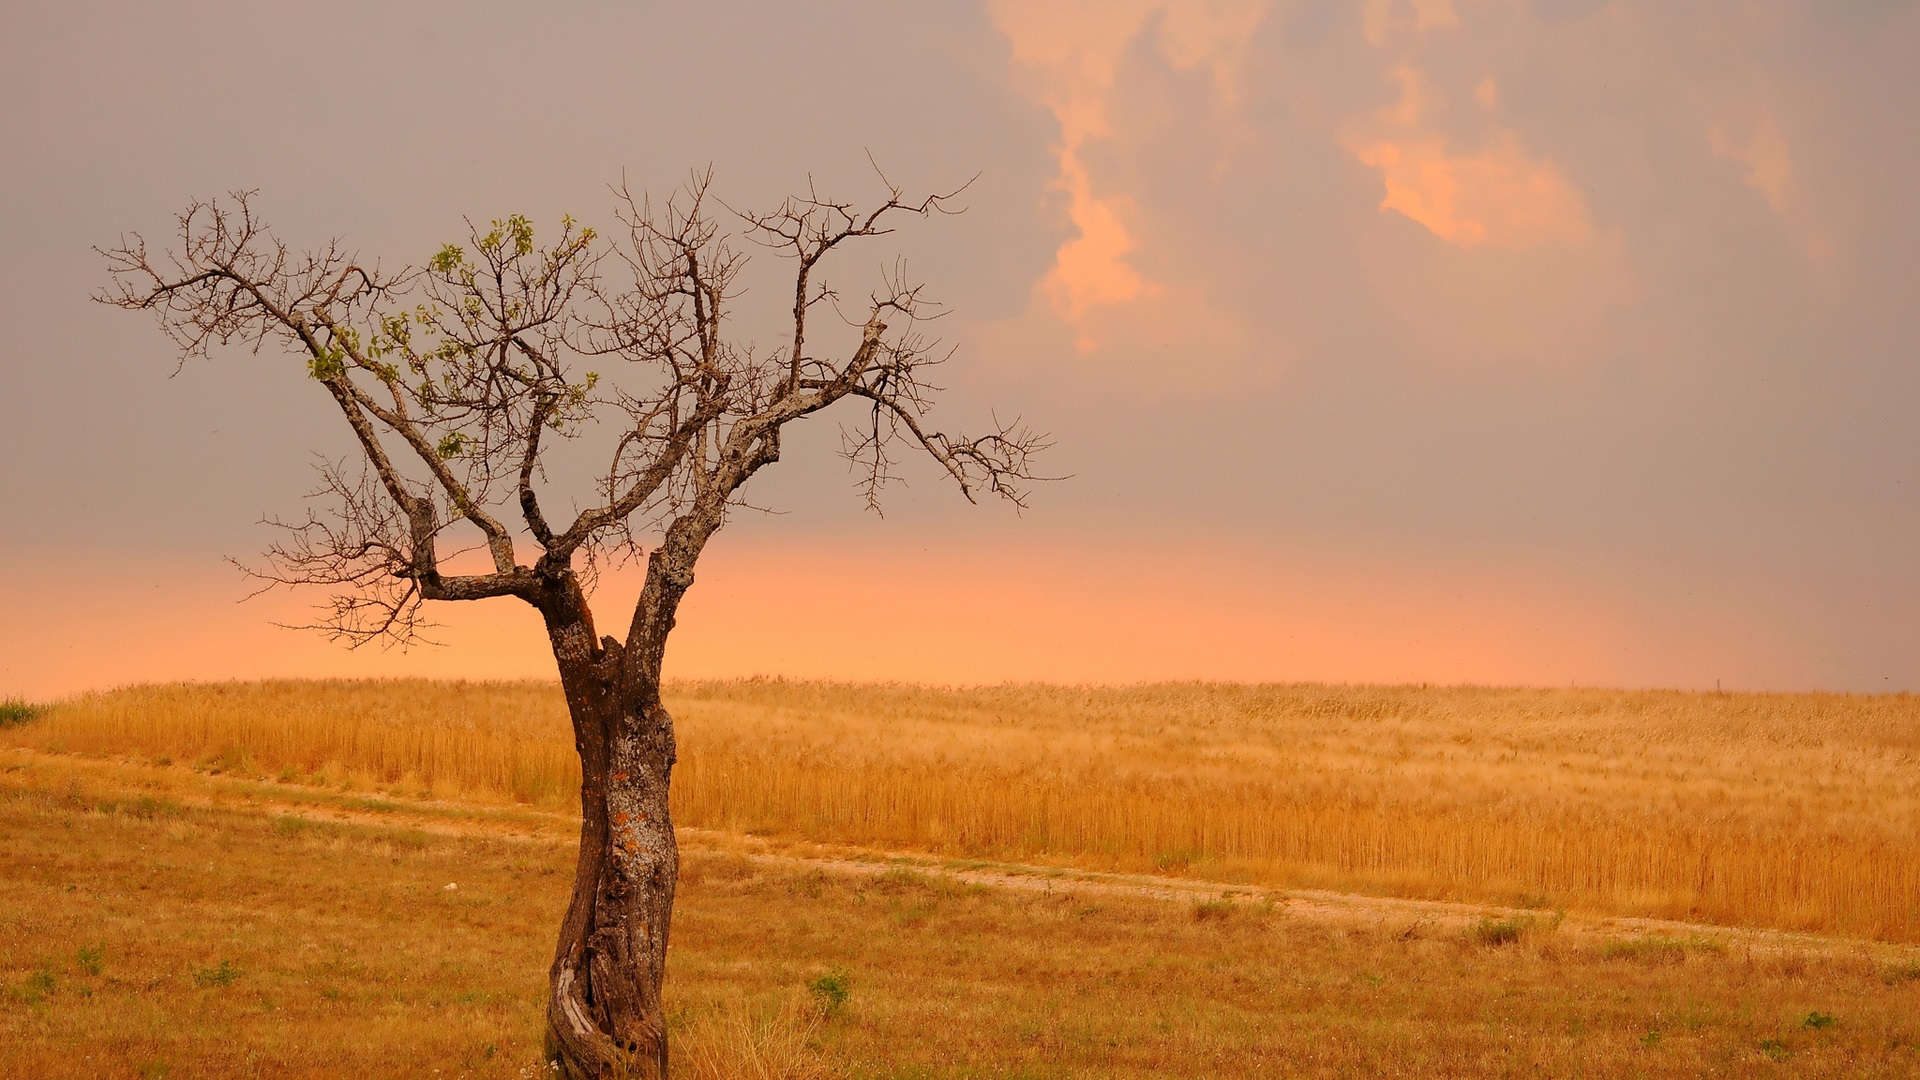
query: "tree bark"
604, 1015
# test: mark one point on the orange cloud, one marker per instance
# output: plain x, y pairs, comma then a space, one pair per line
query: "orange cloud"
1069, 53
1521, 273
1091, 269
1499, 196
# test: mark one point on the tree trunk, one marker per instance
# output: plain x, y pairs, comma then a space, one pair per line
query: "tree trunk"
604, 1017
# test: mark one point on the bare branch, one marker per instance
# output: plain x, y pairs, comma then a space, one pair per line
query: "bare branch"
458, 377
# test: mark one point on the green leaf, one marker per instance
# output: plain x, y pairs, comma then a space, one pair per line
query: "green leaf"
448, 259
331, 362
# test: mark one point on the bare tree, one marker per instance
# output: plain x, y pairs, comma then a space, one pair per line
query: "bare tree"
459, 377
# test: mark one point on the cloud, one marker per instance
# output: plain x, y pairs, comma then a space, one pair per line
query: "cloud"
1756, 143
1382, 19
1764, 152
1521, 272
1487, 93
1547, 304
1170, 340
1069, 56
1497, 194
1091, 270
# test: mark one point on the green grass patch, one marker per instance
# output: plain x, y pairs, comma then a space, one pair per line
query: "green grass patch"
832, 990
1501, 931
1895, 974
1208, 910
222, 974
35, 988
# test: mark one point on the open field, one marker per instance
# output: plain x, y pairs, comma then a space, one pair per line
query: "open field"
1798, 812
164, 922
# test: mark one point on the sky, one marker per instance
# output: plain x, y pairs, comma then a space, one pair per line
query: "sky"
1537, 342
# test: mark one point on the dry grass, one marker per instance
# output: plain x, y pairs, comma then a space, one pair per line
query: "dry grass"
160, 923
1791, 811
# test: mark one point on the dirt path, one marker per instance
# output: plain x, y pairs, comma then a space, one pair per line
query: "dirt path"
1410, 917
52, 772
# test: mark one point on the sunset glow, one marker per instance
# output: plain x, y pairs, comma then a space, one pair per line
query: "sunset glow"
968, 614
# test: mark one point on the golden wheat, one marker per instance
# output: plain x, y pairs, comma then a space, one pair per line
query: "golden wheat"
1796, 811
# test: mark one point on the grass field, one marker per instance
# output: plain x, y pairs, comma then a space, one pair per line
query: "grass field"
162, 922
1792, 811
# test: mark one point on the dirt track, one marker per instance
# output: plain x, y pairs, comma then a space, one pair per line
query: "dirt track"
1412, 917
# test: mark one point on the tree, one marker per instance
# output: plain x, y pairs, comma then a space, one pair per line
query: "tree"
459, 377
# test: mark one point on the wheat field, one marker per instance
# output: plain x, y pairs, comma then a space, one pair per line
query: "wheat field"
1790, 811
163, 924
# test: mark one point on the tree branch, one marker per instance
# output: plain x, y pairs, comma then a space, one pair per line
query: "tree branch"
475, 360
